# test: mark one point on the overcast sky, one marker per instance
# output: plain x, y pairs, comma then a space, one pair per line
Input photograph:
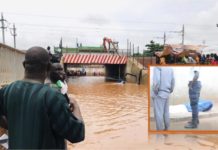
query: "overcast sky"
44, 22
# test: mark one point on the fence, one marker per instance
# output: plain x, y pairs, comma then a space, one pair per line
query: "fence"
146, 60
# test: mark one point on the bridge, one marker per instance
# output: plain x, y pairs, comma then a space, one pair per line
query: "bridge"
116, 66
11, 60
100, 59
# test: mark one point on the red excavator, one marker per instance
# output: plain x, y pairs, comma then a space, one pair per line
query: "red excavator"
109, 45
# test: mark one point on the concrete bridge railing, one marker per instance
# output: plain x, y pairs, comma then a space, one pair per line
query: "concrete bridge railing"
11, 67
137, 70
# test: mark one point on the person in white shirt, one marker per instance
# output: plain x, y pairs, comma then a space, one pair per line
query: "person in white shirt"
163, 86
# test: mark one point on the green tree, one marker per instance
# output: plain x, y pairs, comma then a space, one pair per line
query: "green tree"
152, 48
137, 54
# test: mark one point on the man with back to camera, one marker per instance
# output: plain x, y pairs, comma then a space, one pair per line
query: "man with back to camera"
163, 85
194, 94
39, 117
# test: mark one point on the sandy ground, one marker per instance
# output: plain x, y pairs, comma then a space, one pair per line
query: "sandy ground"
183, 142
208, 120
205, 124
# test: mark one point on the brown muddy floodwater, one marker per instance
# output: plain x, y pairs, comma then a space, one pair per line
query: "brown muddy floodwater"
115, 114
116, 119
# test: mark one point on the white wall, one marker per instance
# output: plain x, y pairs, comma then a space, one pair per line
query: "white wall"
11, 67
208, 78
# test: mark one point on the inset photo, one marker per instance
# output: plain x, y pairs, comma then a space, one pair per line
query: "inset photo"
183, 98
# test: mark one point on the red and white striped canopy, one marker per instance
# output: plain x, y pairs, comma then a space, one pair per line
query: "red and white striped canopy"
94, 59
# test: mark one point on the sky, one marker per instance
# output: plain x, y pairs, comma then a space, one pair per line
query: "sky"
45, 22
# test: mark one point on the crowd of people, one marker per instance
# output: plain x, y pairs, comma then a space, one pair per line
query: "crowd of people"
84, 73
204, 59
209, 59
76, 73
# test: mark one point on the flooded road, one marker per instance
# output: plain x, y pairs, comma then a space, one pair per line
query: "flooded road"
115, 114
116, 119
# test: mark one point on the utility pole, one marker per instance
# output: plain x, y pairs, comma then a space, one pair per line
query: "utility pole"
3, 28
143, 60
164, 38
183, 34
133, 53
14, 34
130, 46
138, 50
138, 55
204, 42
77, 44
127, 49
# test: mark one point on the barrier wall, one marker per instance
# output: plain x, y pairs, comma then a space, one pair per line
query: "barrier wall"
11, 67
147, 60
135, 72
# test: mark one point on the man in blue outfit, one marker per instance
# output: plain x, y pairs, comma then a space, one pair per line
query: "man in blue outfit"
194, 94
163, 85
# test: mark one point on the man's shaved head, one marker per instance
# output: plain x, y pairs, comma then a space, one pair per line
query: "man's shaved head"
36, 60
37, 54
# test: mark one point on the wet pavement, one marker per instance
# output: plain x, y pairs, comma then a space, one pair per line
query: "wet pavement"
208, 120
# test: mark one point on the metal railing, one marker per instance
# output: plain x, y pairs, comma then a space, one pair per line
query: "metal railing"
11, 67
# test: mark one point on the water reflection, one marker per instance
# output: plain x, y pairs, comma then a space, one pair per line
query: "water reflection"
113, 112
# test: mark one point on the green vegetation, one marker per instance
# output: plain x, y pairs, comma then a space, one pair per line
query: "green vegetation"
152, 48
80, 49
137, 55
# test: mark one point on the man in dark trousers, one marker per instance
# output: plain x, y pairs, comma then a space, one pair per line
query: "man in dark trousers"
194, 94
39, 117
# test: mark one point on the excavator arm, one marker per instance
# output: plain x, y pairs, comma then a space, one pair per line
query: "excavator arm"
110, 45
